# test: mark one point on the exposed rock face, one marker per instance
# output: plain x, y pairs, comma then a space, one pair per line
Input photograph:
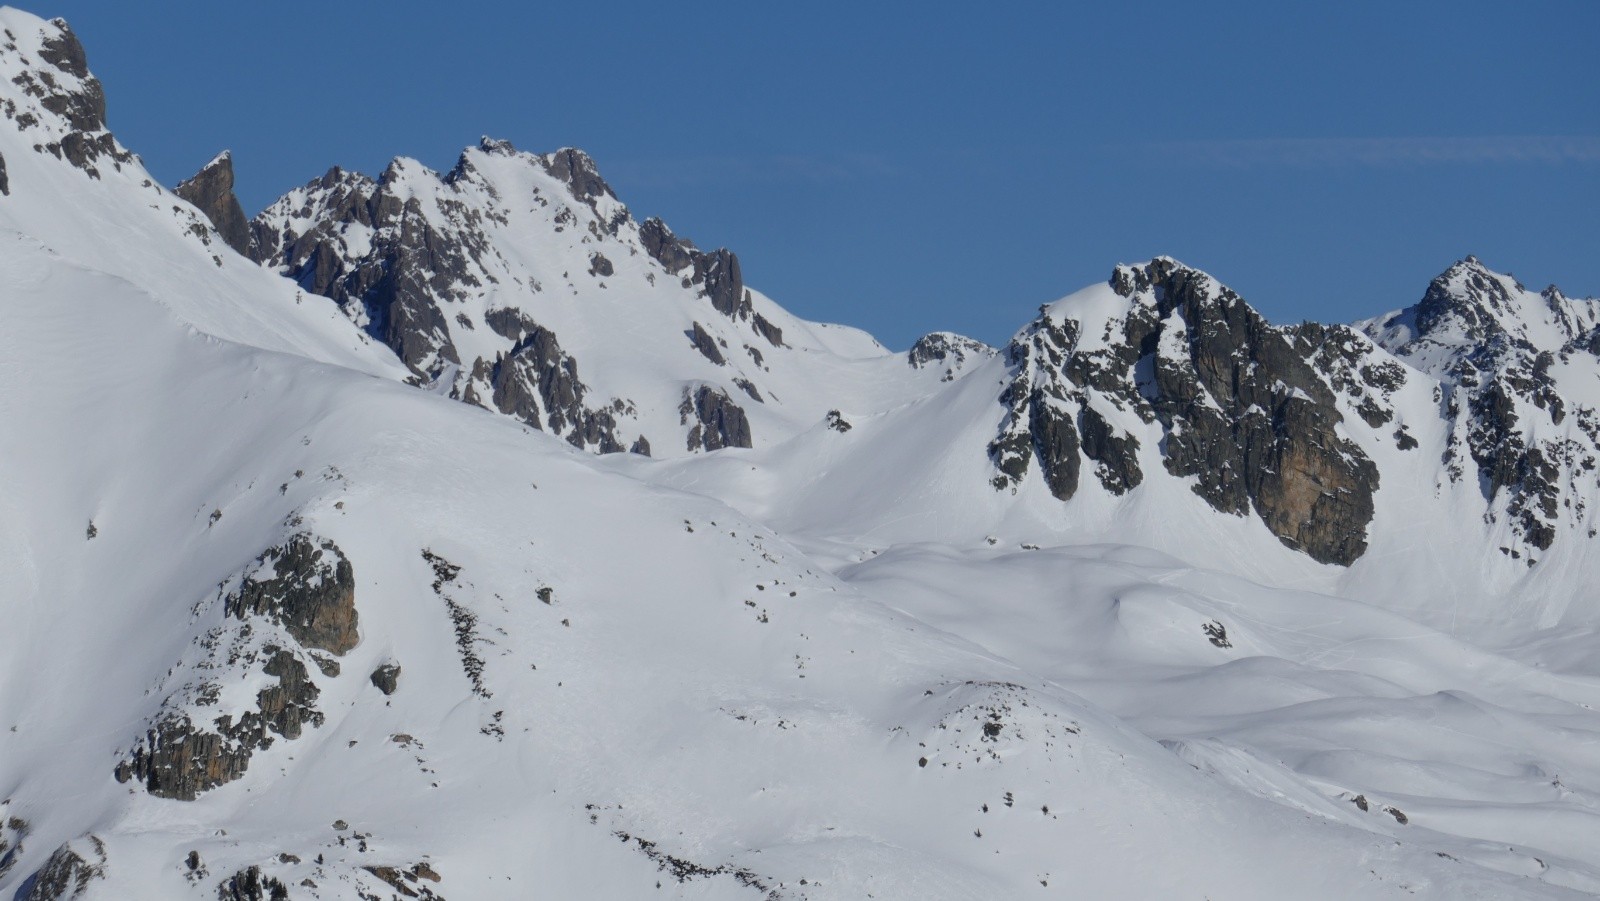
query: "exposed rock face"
85, 107
672, 252
576, 169
251, 885
1253, 421
723, 284
408, 881
211, 190
1240, 408
67, 874
537, 382
947, 350
1496, 347
707, 345
396, 289
308, 587
718, 421
179, 760
65, 107
1040, 410
12, 831
387, 678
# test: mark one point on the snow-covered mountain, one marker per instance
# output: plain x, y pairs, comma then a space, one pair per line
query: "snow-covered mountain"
327, 573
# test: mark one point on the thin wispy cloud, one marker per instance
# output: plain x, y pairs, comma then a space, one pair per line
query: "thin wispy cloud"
795, 167
1375, 152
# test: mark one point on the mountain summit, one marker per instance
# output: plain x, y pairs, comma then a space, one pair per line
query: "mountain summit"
459, 535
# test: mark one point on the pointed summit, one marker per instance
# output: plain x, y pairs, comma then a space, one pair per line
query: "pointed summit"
211, 190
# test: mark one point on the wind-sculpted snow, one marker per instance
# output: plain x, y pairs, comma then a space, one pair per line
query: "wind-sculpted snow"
1160, 601
752, 725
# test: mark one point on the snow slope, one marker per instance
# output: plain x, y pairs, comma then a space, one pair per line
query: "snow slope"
764, 744
278, 621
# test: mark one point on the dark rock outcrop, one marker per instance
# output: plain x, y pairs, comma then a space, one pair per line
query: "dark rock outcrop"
85, 107
251, 884
12, 832
537, 382
574, 168
397, 288
718, 421
672, 252
62, 89
948, 351
308, 587
1242, 411
1248, 417
387, 678
180, 761
707, 345
211, 191
1115, 453
1488, 340
721, 281
66, 874
1040, 410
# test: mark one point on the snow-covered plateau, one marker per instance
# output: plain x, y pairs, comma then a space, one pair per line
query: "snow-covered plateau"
457, 535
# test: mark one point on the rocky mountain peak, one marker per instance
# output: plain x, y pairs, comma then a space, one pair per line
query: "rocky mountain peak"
1184, 368
1472, 312
578, 171
211, 191
50, 94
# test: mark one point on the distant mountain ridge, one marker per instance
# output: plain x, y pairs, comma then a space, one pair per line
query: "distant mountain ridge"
457, 535
1245, 407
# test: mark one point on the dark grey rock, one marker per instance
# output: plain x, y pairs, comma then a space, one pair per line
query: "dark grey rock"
5, 180
85, 109
1242, 410
251, 884
749, 387
410, 270
13, 830
180, 761
767, 330
672, 252
308, 587
387, 678
1255, 423
707, 345
1039, 422
1115, 453
537, 382
721, 281
65, 875
599, 265
578, 172
947, 350
1500, 395
718, 421
211, 191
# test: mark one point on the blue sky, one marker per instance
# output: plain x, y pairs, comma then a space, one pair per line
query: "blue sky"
913, 167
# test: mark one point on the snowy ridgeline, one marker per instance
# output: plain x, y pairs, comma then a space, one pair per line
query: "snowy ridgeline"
346, 584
